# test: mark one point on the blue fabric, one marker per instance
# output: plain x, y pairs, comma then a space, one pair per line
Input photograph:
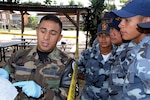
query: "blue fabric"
96, 72
137, 82
144, 25
4, 73
30, 88
115, 23
103, 28
133, 8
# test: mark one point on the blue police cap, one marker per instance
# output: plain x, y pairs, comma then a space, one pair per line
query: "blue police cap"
133, 8
144, 25
115, 23
103, 28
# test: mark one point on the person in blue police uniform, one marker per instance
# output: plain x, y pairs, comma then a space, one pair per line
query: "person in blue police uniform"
120, 51
105, 19
93, 63
136, 84
115, 91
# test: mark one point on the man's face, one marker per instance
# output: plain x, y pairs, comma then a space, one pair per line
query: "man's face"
104, 40
48, 34
115, 36
129, 29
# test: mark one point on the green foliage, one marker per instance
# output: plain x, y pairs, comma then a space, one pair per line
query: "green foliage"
33, 20
123, 1
9, 1
12, 1
48, 2
80, 4
17, 1
31, 3
110, 7
61, 3
92, 18
71, 2
54, 2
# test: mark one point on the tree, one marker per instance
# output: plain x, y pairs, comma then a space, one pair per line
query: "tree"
110, 7
10, 1
55, 2
79, 4
123, 1
91, 19
71, 2
61, 3
33, 21
48, 2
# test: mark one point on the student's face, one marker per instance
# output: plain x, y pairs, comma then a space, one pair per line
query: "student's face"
104, 40
115, 36
129, 29
48, 34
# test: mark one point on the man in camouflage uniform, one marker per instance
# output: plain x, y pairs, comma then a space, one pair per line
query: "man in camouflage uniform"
93, 63
44, 72
137, 80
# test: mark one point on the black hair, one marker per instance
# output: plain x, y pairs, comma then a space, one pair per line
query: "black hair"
52, 18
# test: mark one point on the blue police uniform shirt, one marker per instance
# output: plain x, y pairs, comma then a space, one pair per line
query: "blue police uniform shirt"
96, 72
137, 81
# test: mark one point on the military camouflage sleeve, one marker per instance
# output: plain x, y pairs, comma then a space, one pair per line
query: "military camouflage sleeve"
67, 76
9, 66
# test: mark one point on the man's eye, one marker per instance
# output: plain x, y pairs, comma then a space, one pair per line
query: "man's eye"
53, 32
127, 20
42, 30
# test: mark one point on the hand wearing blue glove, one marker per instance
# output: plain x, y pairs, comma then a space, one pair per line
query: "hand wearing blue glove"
4, 73
30, 88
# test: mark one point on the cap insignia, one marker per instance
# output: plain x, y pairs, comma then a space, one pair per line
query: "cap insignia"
104, 26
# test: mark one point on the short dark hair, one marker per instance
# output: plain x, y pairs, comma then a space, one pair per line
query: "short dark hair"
52, 18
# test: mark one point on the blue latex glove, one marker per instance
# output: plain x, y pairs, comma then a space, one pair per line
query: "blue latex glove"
30, 88
4, 73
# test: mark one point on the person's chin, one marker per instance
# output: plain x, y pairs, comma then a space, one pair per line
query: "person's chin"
104, 46
45, 49
125, 37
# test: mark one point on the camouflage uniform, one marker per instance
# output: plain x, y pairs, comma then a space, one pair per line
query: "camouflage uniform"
54, 75
118, 70
137, 82
96, 73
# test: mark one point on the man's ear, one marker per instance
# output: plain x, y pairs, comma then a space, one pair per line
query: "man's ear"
60, 37
147, 19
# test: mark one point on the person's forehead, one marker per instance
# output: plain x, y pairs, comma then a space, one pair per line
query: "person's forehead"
113, 28
136, 18
49, 24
